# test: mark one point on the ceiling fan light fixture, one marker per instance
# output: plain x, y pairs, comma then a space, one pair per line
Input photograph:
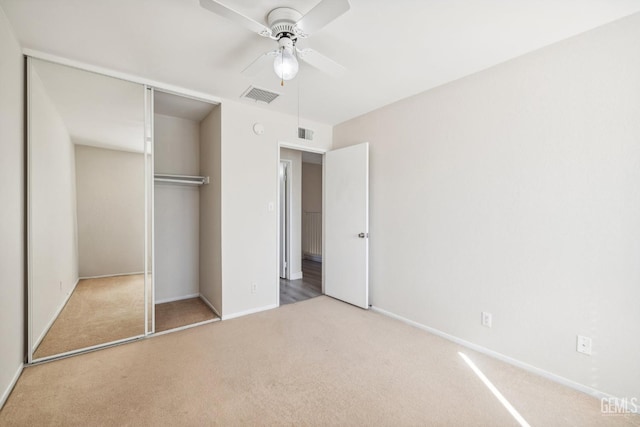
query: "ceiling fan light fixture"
287, 25
285, 63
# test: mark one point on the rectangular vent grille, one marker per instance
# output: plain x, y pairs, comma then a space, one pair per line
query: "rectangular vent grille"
261, 95
305, 134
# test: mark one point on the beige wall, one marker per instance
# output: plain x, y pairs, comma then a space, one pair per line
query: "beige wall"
52, 210
176, 145
249, 185
311, 203
177, 209
11, 209
210, 209
515, 191
110, 206
295, 211
311, 187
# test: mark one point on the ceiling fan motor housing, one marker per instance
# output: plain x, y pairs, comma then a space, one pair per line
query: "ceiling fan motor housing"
282, 22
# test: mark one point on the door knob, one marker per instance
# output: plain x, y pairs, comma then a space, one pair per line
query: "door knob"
363, 235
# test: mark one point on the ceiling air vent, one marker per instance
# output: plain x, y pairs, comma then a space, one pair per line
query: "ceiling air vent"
258, 94
305, 134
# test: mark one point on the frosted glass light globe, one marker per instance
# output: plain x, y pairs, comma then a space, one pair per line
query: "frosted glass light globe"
285, 64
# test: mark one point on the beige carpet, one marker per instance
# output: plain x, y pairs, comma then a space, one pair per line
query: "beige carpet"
175, 314
99, 311
318, 362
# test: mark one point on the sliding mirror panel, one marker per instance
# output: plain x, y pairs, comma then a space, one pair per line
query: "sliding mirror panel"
87, 210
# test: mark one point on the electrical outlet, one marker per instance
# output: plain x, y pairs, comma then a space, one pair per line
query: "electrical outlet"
584, 345
486, 319
254, 287
61, 286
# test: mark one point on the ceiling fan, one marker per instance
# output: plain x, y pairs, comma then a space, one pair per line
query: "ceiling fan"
286, 25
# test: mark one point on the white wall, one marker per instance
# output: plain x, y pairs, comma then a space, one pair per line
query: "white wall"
110, 210
53, 235
11, 209
177, 209
249, 185
211, 210
295, 211
516, 191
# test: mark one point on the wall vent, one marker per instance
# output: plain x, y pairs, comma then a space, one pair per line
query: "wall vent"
258, 94
305, 134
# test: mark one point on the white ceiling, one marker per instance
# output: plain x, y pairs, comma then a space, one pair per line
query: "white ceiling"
391, 49
98, 111
168, 104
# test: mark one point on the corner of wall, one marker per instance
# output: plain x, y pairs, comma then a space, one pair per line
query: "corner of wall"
12, 227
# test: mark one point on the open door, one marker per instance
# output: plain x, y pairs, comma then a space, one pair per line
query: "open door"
346, 207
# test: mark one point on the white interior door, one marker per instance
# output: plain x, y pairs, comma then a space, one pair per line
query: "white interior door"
346, 207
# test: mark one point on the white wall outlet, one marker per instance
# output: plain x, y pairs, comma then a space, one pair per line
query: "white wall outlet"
254, 287
584, 345
60, 285
486, 319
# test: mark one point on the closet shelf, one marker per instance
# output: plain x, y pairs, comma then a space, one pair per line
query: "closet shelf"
181, 179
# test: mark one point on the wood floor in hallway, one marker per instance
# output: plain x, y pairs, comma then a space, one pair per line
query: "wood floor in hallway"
309, 286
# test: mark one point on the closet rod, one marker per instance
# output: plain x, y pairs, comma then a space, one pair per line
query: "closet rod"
181, 179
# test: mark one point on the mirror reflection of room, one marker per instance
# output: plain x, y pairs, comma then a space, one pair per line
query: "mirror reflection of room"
87, 209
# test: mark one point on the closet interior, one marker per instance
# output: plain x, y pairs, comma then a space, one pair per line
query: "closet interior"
186, 201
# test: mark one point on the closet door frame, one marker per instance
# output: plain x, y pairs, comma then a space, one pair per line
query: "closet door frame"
149, 229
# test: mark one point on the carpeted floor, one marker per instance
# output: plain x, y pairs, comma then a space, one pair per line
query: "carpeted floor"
318, 362
171, 315
99, 311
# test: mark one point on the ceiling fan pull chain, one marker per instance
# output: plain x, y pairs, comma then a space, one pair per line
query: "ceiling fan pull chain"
282, 63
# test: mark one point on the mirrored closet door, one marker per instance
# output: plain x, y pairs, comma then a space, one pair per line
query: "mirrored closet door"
89, 191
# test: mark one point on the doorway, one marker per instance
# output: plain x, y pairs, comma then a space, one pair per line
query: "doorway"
285, 203
300, 236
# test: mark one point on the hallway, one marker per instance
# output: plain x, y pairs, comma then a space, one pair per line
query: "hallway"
309, 286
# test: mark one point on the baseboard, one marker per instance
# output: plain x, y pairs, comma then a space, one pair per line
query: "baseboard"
206, 301
85, 350
515, 362
296, 275
55, 316
11, 385
182, 328
112, 275
316, 258
246, 312
180, 298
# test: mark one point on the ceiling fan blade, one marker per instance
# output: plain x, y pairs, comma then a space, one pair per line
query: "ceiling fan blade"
322, 14
321, 62
226, 12
260, 63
